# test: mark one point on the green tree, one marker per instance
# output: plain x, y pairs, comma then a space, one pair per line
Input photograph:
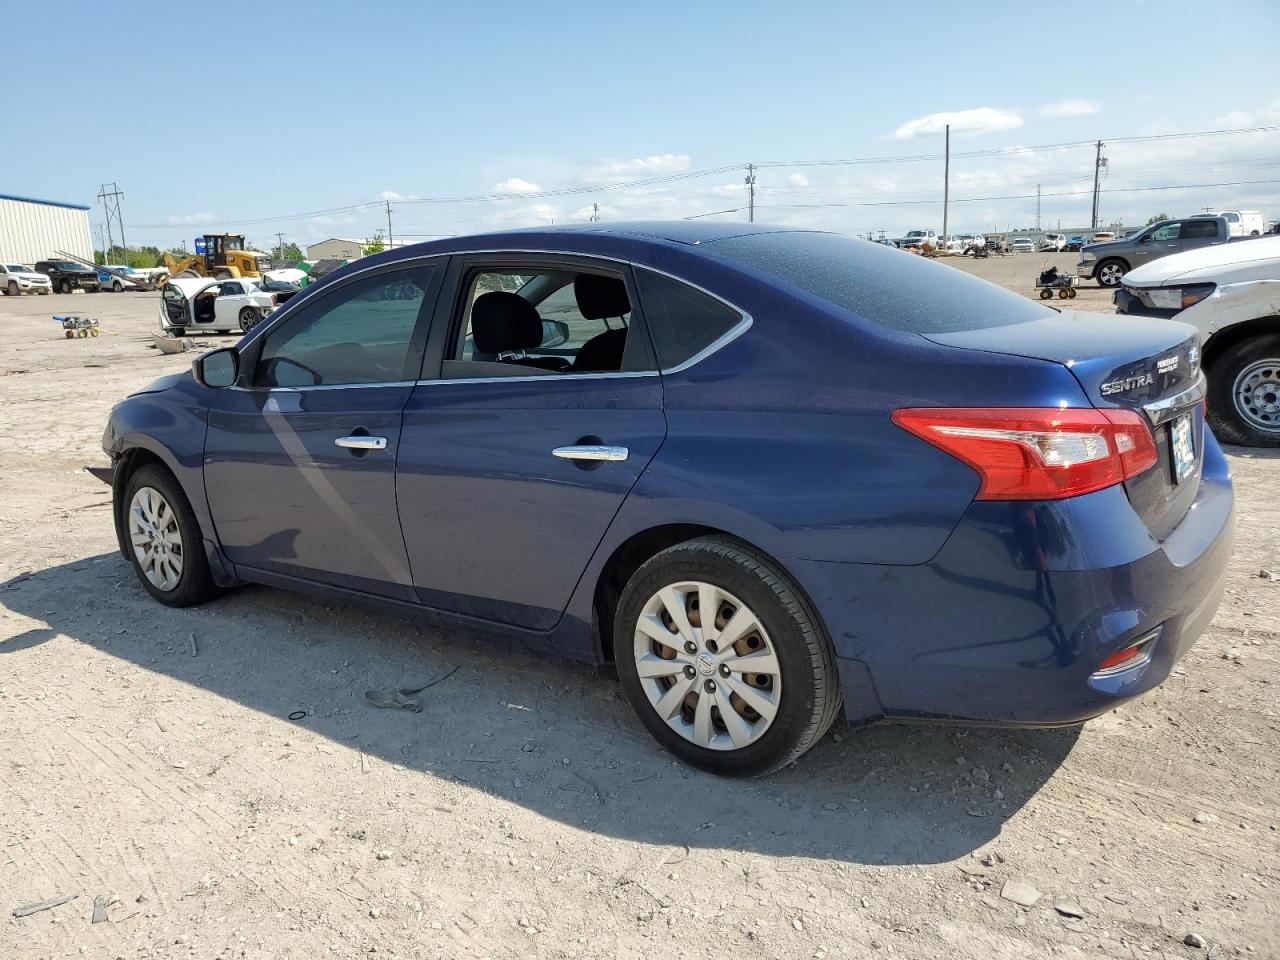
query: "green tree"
374, 245
290, 251
1158, 218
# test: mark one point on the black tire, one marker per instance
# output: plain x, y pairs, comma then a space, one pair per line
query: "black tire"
65, 287
12, 289
116, 286
178, 331
1109, 272
250, 317
1228, 420
195, 584
810, 698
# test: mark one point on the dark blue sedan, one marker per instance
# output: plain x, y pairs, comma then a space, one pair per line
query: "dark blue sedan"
772, 475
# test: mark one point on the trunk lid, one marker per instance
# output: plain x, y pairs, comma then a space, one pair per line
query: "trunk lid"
1148, 365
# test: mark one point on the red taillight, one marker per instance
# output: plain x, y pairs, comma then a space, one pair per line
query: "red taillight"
1038, 453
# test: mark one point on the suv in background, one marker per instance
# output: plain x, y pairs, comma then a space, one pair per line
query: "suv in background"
1053, 242
67, 276
1110, 260
17, 279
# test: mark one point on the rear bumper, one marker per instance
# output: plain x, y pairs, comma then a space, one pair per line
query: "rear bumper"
1010, 621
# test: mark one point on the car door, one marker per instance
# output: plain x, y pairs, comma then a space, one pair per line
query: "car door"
525, 434
231, 298
1200, 232
1160, 242
300, 457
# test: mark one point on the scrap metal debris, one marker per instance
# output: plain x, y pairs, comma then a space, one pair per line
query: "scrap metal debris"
99, 909
30, 908
405, 698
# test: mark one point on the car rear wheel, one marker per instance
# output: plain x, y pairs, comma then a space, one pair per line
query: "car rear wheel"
249, 318
723, 660
117, 286
65, 287
1244, 393
165, 545
1110, 272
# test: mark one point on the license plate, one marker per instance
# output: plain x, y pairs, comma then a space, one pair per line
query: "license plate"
1184, 451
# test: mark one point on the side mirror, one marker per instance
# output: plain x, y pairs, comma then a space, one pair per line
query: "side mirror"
1147, 238
217, 368
555, 333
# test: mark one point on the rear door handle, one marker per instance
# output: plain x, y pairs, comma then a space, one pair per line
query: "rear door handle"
362, 442
592, 452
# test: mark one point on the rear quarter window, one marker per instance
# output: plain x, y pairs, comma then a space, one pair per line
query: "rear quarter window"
683, 321
885, 286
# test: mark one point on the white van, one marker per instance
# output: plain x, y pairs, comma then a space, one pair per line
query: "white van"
1241, 223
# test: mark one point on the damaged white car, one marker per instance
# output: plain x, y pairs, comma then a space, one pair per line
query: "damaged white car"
206, 305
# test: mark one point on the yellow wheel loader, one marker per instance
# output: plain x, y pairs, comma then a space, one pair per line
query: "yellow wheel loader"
223, 257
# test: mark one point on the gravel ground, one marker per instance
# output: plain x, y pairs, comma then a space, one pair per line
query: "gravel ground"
150, 766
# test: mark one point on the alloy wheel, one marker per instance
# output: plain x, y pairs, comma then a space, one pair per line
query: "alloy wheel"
156, 538
1257, 394
707, 665
1110, 274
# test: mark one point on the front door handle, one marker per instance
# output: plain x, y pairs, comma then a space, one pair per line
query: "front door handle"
592, 451
362, 442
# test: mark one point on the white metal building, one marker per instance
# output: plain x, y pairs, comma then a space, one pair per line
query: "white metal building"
32, 229
336, 249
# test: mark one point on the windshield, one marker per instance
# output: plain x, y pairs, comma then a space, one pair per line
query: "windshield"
15, 268
68, 265
877, 283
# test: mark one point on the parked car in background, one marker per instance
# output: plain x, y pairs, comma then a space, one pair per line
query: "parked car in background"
540, 435
1022, 245
1076, 242
67, 276
1053, 242
282, 290
1241, 223
1231, 294
1102, 236
1109, 261
118, 277
17, 278
203, 304
919, 238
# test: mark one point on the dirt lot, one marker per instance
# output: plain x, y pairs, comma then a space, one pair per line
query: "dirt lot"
147, 759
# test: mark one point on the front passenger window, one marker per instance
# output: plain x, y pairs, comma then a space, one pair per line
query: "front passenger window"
368, 330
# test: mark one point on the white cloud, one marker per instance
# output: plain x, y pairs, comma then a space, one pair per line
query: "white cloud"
1070, 108
516, 185
638, 168
392, 195
193, 219
979, 120
332, 221
798, 180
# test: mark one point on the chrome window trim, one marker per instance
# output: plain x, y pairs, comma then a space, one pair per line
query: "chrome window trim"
541, 378
325, 386
715, 346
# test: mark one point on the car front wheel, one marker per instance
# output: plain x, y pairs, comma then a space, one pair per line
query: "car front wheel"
723, 660
165, 546
1110, 272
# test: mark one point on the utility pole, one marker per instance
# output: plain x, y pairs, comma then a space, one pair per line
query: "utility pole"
1037, 208
946, 185
390, 235
595, 213
1098, 163
111, 207
280, 245
751, 192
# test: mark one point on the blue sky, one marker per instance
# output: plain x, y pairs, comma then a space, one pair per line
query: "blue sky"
286, 121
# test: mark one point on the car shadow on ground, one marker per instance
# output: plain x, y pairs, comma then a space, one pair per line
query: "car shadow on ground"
552, 736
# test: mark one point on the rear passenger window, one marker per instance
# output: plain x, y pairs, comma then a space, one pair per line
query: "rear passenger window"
1200, 230
682, 320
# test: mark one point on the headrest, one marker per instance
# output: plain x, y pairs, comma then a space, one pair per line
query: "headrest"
505, 323
600, 297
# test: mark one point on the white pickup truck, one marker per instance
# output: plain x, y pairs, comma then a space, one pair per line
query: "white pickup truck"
1231, 293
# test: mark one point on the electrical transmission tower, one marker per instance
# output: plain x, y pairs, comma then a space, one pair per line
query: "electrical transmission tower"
111, 210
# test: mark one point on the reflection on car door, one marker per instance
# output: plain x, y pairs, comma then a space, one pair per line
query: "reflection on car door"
300, 456
498, 524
